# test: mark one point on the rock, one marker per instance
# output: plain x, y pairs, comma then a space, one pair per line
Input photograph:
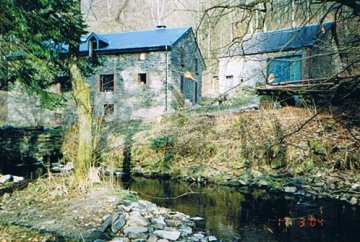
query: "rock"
106, 223
289, 189
263, 183
135, 229
137, 220
170, 235
55, 169
118, 223
5, 178
152, 238
199, 236
163, 240
353, 201
122, 239
186, 230
355, 187
212, 238
18, 178
69, 167
197, 218
173, 222
243, 182
159, 223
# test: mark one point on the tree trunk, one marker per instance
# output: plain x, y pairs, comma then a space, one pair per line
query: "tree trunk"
81, 93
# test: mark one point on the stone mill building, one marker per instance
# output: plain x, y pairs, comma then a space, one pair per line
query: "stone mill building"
145, 74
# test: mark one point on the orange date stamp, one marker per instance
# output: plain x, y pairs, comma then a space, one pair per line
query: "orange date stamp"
302, 222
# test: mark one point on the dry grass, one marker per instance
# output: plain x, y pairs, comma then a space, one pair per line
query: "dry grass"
230, 143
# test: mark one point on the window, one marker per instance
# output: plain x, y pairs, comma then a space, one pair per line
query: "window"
142, 56
230, 77
196, 63
107, 83
182, 84
109, 110
92, 47
182, 57
142, 79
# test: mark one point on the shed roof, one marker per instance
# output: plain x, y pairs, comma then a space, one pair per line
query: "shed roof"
150, 40
283, 39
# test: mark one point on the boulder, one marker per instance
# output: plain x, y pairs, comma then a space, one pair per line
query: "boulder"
5, 178
170, 235
353, 201
290, 189
18, 178
118, 223
135, 229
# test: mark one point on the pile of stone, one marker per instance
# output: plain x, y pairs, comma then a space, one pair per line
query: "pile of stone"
10, 178
144, 221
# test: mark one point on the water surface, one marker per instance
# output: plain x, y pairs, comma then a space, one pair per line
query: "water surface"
253, 214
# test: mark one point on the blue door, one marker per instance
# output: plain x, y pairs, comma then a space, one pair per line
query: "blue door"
287, 68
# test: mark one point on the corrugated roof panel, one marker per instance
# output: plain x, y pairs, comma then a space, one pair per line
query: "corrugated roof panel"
284, 39
140, 40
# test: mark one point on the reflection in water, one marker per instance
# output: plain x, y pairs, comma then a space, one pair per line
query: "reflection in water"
254, 215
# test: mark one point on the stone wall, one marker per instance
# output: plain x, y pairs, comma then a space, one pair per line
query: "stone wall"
131, 98
23, 109
26, 147
186, 57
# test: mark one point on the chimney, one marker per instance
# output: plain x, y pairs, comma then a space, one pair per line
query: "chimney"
161, 26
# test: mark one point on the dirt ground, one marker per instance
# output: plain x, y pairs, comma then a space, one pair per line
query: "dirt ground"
52, 211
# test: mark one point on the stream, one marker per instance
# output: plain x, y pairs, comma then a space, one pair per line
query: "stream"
251, 215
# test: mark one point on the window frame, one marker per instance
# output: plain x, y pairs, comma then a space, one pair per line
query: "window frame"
139, 78
108, 107
102, 88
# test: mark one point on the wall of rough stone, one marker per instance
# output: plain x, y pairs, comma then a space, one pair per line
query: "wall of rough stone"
184, 57
22, 109
26, 147
131, 98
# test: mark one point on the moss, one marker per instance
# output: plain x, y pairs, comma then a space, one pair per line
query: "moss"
316, 146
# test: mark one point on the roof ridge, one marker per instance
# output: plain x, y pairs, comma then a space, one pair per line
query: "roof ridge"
140, 31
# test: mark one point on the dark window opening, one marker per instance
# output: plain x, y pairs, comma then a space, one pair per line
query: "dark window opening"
182, 57
182, 84
196, 63
196, 92
142, 78
109, 110
64, 84
92, 47
107, 83
229, 77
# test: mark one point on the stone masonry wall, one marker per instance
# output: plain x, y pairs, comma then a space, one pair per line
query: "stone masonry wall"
184, 57
131, 98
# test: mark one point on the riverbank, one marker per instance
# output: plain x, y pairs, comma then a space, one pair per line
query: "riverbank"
291, 150
50, 208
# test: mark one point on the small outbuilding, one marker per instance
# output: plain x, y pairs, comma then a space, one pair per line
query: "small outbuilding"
307, 52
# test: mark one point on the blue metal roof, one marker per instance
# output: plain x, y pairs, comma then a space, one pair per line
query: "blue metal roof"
284, 39
157, 39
